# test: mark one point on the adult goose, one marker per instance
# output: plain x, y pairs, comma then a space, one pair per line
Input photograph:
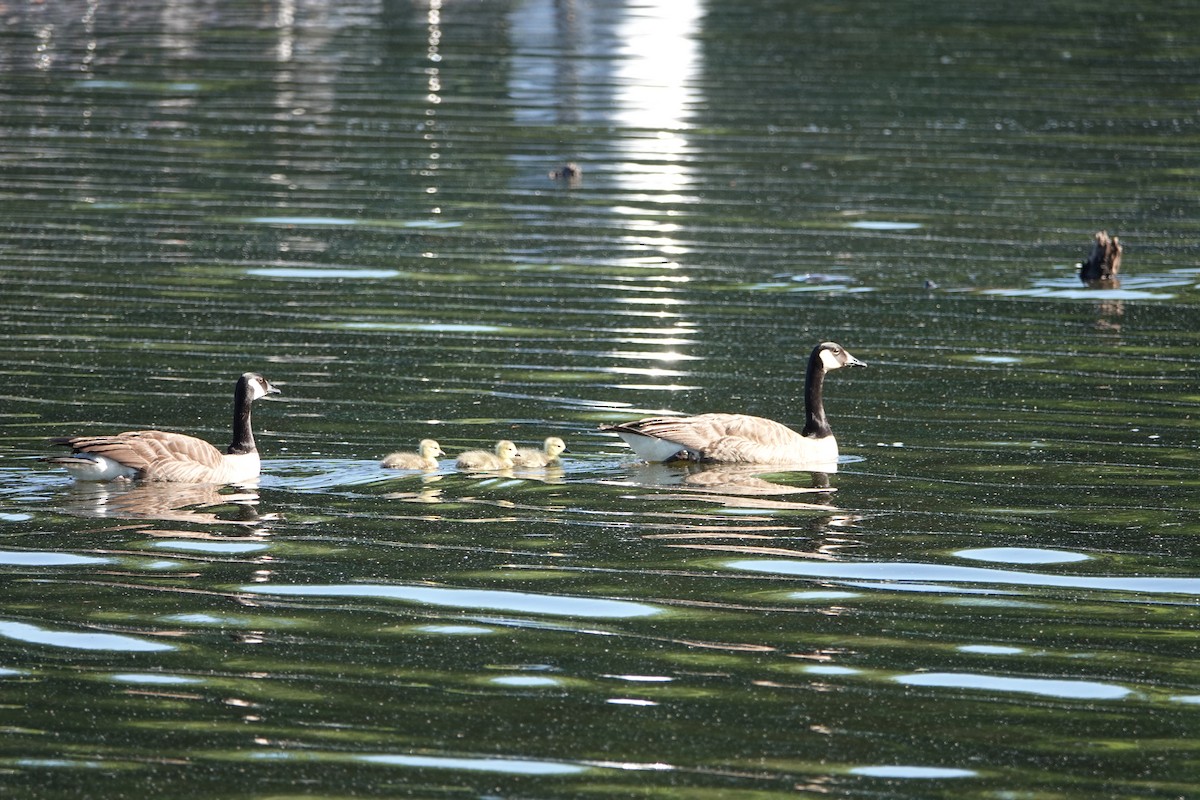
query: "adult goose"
482, 460
552, 448
743, 439
425, 457
166, 456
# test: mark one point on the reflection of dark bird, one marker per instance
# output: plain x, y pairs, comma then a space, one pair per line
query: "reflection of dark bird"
569, 172
176, 457
425, 457
743, 439
1103, 262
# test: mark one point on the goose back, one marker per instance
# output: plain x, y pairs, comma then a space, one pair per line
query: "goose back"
156, 456
724, 438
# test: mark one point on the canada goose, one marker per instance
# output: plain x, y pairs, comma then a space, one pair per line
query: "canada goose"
743, 439
551, 450
176, 457
425, 457
502, 458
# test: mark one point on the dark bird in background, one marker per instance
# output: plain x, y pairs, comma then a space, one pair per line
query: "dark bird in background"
1103, 262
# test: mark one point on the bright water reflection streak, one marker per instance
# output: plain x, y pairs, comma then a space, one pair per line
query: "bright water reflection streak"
944, 576
35, 634
653, 79
479, 599
1046, 687
510, 766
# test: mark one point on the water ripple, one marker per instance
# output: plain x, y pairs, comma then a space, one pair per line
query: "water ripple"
1021, 555
226, 548
476, 599
39, 558
908, 772
1047, 687
908, 571
509, 766
316, 273
154, 679
79, 641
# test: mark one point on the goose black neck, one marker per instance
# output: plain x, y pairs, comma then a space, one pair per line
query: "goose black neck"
243, 436
815, 424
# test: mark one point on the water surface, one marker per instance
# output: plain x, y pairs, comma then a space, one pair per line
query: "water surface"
994, 595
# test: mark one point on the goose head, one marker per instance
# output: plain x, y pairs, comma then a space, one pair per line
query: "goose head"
834, 356
506, 450
255, 386
554, 447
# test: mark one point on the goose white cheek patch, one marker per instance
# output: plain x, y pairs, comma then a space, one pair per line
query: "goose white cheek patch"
830, 360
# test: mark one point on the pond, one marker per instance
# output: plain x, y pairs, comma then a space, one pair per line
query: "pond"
511, 219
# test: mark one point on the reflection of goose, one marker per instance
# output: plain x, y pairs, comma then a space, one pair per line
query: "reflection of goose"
176, 457
743, 439
502, 458
735, 479
425, 457
552, 448
171, 502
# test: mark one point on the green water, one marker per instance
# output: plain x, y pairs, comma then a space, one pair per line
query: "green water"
997, 600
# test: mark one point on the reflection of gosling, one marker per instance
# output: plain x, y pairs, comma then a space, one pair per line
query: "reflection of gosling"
551, 450
502, 458
425, 457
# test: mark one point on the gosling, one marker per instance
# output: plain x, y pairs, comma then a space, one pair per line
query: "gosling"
481, 460
551, 450
425, 457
